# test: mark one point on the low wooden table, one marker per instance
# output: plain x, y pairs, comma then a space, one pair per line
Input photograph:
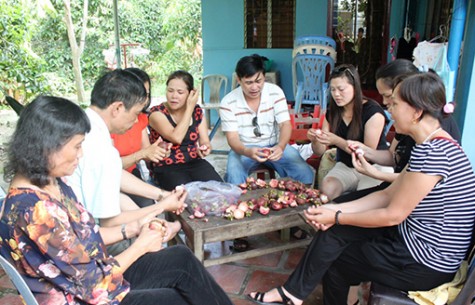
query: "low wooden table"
199, 232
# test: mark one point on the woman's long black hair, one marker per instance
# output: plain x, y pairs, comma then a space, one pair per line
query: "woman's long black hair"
336, 113
44, 127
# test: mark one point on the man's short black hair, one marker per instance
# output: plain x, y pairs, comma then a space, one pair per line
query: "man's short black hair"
250, 65
118, 85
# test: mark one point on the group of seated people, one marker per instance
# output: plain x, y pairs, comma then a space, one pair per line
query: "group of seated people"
81, 226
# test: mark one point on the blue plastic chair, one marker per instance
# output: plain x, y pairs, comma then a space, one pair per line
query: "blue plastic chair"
310, 78
321, 40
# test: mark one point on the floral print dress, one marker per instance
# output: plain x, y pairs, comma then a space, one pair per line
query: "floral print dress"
57, 248
187, 150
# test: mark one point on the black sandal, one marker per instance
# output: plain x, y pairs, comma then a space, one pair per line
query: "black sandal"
240, 245
259, 298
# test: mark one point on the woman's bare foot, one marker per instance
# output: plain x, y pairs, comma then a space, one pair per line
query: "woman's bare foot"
172, 230
273, 296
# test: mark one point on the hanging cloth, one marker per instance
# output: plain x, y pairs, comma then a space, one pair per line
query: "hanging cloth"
434, 56
405, 48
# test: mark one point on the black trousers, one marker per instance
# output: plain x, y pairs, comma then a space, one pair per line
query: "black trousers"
168, 177
344, 256
172, 276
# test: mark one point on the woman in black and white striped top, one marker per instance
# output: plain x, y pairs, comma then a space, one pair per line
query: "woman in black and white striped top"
412, 235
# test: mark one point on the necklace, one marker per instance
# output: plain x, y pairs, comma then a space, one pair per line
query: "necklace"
431, 134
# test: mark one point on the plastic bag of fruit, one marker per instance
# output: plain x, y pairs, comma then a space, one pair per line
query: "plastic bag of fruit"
210, 198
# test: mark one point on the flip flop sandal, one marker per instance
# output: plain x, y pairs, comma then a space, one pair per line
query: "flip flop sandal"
259, 297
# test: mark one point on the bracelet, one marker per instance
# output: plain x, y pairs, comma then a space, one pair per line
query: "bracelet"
337, 222
122, 230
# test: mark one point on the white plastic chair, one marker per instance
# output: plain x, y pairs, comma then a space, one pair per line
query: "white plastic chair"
18, 281
213, 88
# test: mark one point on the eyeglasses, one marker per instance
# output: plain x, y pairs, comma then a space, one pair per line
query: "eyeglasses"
344, 69
257, 130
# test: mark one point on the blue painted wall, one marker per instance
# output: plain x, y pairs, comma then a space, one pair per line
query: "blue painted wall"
396, 23
223, 37
223, 45
465, 91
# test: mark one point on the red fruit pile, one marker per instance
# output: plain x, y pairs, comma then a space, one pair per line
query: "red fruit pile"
282, 194
287, 185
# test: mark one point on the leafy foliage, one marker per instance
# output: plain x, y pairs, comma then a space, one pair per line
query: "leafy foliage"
36, 52
20, 67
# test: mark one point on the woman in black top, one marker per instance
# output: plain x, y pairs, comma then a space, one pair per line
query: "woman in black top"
400, 150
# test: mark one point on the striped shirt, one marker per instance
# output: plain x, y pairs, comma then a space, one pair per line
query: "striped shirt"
237, 116
438, 230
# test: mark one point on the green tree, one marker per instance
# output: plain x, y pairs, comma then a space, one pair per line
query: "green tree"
21, 68
170, 29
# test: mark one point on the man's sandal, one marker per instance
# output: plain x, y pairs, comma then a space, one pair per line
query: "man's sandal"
259, 298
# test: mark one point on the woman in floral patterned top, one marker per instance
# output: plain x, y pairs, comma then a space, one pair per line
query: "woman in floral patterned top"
56, 245
180, 121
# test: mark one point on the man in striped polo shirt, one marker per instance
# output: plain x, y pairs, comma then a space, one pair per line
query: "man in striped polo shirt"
256, 121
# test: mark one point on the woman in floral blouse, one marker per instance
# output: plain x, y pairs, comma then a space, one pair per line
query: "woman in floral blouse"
180, 121
56, 245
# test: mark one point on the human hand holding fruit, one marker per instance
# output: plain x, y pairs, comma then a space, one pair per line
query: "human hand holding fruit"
175, 201
256, 153
203, 149
276, 153
157, 151
321, 218
151, 235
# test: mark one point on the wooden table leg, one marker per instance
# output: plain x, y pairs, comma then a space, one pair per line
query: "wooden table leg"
198, 246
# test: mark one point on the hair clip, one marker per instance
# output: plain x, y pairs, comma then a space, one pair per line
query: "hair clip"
449, 107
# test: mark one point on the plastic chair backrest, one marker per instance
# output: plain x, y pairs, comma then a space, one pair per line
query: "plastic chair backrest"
18, 281
217, 85
321, 40
310, 75
315, 49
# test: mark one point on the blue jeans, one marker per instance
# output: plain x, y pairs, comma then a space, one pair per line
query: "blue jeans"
291, 165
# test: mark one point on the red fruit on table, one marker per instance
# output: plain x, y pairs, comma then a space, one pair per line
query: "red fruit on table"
276, 206
198, 214
238, 214
261, 183
243, 206
231, 208
273, 183
264, 210
261, 201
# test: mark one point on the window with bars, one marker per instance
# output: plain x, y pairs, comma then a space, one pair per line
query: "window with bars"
269, 24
